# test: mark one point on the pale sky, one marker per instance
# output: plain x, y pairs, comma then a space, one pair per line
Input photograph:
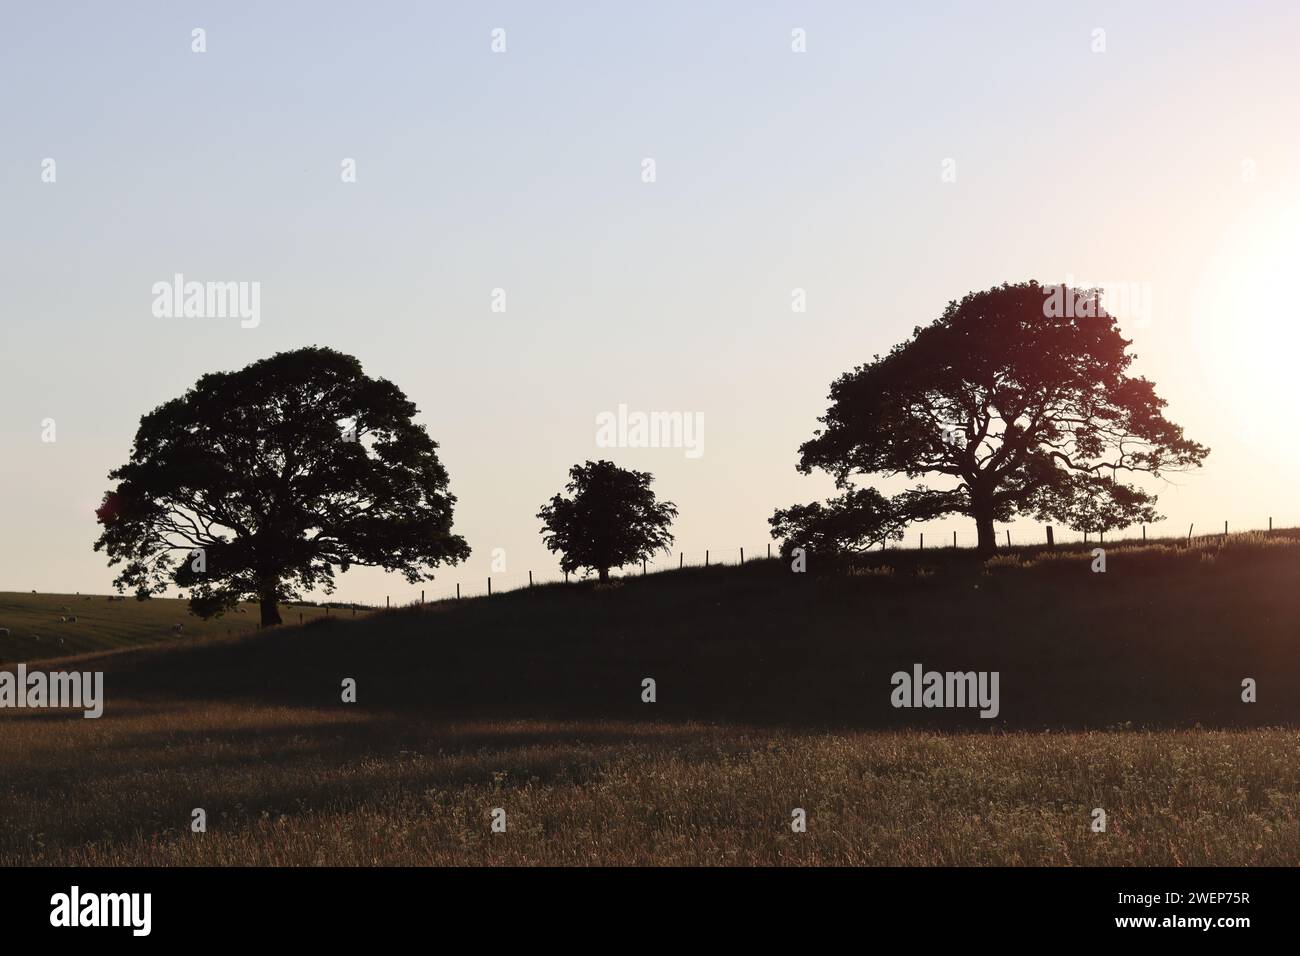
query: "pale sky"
1167, 163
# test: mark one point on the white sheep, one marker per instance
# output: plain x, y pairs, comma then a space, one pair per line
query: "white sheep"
177, 628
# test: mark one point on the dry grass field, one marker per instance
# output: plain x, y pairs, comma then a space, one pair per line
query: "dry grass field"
290, 786
1119, 691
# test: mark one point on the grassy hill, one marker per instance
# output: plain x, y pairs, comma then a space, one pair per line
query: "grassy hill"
1164, 637
1119, 690
39, 625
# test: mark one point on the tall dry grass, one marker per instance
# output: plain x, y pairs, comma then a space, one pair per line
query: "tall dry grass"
287, 786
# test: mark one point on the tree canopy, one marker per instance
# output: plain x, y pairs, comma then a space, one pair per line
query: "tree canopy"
1017, 399
260, 483
612, 519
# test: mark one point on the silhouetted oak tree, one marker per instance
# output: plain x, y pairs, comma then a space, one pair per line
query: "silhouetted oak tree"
612, 519
279, 473
1016, 398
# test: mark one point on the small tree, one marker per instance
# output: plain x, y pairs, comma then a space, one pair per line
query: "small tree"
612, 519
265, 480
856, 521
1100, 504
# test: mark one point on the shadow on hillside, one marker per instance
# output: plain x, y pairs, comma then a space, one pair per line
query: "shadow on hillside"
1156, 641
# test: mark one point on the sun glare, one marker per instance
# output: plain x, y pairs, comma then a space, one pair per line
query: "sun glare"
1246, 321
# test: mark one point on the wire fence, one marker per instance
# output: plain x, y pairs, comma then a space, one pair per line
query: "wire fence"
1015, 536
1029, 536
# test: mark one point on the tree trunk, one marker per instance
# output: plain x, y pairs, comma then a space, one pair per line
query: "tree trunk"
270, 612
604, 575
987, 538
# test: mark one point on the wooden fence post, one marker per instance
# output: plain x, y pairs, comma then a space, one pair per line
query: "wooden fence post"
489, 587
530, 578
922, 540
1225, 529
769, 544
457, 590
388, 601
421, 595
742, 555
706, 557
1144, 532
954, 539
1189, 532
1008, 537
1051, 538
681, 558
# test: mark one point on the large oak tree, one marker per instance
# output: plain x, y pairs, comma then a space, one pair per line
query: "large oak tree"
260, 483
1017, 399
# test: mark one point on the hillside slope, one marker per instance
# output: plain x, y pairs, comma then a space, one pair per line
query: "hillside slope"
40, 625
1163, 638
